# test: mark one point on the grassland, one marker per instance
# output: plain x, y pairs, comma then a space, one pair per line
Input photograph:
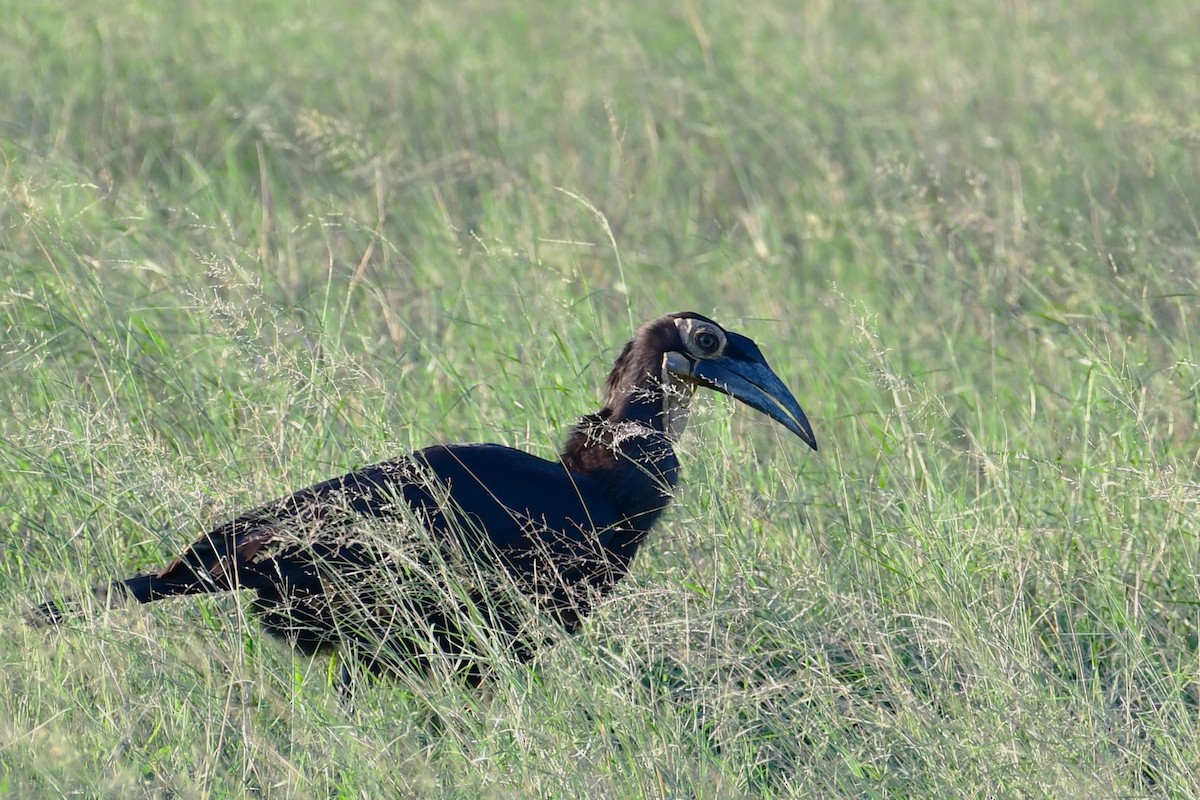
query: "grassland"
247, 246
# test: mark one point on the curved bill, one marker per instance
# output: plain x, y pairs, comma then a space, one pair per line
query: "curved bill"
743, 373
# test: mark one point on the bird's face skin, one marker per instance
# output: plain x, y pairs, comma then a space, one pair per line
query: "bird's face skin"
707, 355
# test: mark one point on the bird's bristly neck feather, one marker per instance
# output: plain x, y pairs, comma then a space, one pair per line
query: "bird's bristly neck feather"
627, 445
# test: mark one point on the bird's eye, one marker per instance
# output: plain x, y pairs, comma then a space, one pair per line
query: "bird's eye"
706, 341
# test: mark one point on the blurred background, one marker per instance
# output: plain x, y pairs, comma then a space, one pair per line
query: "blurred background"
247, 246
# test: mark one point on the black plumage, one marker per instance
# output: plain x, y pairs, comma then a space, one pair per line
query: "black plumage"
423, 556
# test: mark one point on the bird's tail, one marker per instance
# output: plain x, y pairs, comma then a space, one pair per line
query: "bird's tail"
140, 588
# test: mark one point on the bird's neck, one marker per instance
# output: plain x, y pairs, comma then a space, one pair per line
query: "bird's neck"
646, 403
628, 445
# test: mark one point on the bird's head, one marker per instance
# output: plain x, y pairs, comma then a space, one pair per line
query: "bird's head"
688, 350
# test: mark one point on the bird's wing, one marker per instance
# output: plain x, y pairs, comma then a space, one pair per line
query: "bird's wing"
549, 529
538, 518
509, 492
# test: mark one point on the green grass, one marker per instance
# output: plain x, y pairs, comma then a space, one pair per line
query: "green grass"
248, 246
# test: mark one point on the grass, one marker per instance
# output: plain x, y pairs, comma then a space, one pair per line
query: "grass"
248, 247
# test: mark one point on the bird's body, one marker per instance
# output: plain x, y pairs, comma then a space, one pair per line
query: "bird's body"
417, 520
410, 559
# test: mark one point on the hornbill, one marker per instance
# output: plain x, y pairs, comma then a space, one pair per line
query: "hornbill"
420, 557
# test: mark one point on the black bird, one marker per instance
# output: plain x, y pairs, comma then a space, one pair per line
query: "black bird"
421, 557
